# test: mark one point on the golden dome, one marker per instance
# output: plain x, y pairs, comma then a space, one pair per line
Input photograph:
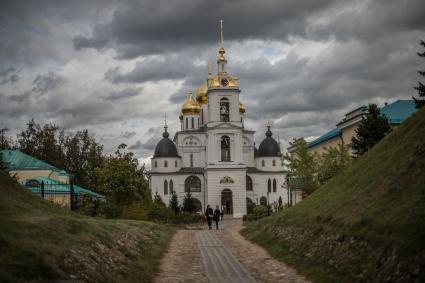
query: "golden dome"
241, 107
191, 106
201, 94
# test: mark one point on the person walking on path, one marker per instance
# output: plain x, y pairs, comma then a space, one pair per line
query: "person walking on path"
209, 214
217, 214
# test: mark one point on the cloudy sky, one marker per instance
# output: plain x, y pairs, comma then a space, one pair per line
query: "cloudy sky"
116, 67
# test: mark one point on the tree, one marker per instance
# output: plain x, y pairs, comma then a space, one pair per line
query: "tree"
5, 141
188, 203
158, 200
370, 131
280, 203
174, 203
332, 161
302, 163
120, 179
420, 87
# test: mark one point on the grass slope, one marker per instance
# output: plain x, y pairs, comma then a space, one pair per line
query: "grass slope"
40, 241
366, 224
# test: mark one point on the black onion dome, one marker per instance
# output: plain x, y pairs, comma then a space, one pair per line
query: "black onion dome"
165, 147
269, 146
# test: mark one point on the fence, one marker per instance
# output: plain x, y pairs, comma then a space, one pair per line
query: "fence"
60, 193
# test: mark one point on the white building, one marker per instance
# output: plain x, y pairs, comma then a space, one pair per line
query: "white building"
213, 156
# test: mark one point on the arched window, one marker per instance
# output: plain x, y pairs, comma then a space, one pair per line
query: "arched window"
269, 185
155, 163
165, 187
274, 185
263, 163
187, 122
171, 186
248, 183
224, 110
202, 116
165, 163
263, 201
192, 184
191, 160
193, 122
175, 163
274, 162
225, 148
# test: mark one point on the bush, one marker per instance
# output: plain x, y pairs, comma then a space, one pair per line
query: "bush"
259, 211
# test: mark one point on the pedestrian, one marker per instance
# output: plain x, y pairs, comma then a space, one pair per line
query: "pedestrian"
209, 214
217, 214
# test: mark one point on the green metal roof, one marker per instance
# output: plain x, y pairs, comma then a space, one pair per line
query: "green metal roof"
17, 160
396, 113
55, 187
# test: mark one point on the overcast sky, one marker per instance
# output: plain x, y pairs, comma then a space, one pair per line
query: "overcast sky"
117, 68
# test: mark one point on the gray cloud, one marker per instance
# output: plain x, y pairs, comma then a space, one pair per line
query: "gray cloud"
46, 83
123, 94
128, 134
8, 75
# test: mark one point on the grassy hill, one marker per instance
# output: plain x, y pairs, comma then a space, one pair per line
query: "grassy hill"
366, 224
40, 241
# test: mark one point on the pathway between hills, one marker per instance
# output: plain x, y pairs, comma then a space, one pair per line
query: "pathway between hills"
220, 256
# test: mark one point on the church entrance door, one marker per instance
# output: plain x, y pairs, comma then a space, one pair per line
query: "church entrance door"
227, 201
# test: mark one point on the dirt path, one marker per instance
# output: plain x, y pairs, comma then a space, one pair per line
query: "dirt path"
221, 256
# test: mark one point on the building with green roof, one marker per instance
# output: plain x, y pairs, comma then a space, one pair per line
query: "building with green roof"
32, 172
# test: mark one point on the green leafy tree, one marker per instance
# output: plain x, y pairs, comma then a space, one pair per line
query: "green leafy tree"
302, 163
120, 179
332, 161
280, 202
420, 87
174, 203
188, 203
370, 131
3, 165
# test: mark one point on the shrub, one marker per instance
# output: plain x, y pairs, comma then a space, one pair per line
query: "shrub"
259, 211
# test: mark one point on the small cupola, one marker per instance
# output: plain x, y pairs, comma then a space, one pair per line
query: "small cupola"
269, 147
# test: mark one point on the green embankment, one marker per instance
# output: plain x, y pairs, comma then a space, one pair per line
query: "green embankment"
367, 224
40, 241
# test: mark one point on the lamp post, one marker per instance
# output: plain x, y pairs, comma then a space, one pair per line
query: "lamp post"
288, 178
268, 205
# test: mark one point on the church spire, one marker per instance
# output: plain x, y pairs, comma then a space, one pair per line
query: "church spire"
221, 51
165, 134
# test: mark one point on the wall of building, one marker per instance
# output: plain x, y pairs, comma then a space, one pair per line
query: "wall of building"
158, 164
268, 163
238, 188
260, 185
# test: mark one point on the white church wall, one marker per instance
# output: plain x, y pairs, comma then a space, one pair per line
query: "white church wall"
260, 187
238, 188
268, 164
165, 164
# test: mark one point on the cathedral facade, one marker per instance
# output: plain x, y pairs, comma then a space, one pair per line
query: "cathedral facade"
213, 156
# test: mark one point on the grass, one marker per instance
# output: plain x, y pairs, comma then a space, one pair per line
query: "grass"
41, 241
366, 224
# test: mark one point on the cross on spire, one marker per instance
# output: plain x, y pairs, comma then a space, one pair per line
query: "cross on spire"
221, 33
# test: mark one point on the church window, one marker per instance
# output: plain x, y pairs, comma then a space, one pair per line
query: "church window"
274, 185
274, 162
225, 148
263, 163
155, 164
224, 110
165, 163
193, 122
192, 184
269, 186
175, 163
187, 122
248, 183
191, 160
263, 201
171, 186
165, 187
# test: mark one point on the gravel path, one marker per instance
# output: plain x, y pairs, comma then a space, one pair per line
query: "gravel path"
223, 255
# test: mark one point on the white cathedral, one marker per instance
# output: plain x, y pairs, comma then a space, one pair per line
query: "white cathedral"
213, 156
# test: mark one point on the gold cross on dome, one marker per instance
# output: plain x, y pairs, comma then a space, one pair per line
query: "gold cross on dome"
268, 124
221, 31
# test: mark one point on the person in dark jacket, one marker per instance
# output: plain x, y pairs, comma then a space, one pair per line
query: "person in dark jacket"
209, 214
217, 214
